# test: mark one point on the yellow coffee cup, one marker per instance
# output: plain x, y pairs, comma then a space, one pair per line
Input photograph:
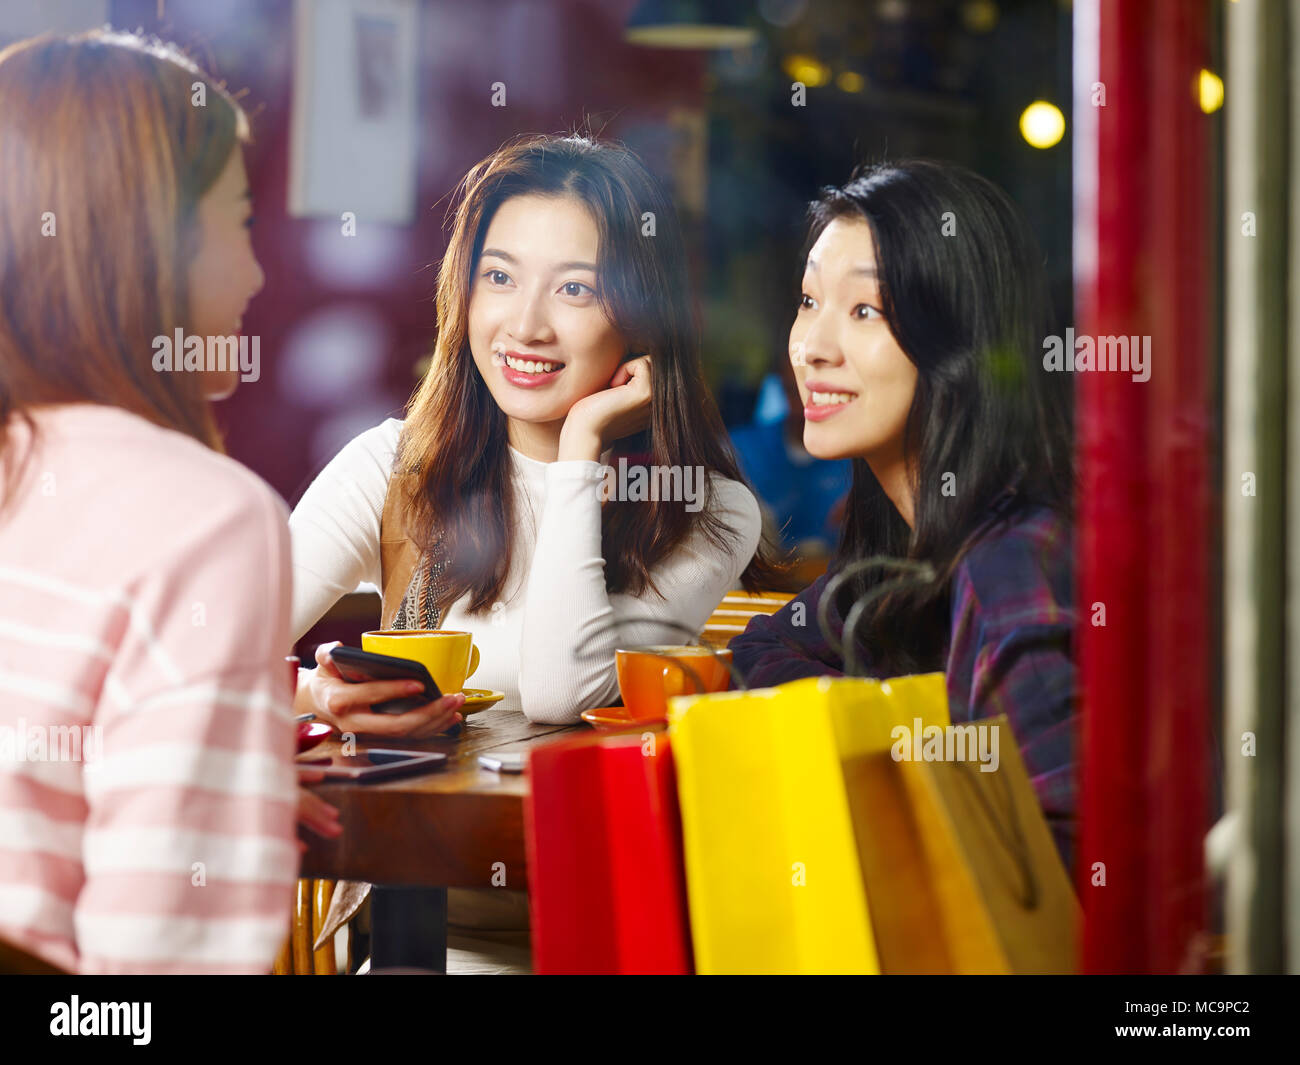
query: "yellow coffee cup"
450, 657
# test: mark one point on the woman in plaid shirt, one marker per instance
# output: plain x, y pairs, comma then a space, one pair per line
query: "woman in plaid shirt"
917, 350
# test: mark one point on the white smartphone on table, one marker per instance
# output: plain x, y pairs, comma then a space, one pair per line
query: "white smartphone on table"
509, 762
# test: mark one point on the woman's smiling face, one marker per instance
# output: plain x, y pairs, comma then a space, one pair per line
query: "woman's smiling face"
855, 381
538, 334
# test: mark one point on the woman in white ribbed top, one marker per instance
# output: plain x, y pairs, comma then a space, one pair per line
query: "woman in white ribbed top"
566, 362
532, 646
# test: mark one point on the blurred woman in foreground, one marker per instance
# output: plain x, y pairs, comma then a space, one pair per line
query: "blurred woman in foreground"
146, 742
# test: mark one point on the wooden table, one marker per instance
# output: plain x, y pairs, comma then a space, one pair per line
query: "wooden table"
414, 837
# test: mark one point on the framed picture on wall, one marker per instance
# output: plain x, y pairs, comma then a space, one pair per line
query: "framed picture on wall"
353, 116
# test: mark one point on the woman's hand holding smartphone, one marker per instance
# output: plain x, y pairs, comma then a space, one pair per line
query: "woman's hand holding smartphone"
348, 706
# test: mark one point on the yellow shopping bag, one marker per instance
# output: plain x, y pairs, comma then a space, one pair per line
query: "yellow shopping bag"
774, 881
961, 871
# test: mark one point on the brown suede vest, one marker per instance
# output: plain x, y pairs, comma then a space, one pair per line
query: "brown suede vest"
398, 555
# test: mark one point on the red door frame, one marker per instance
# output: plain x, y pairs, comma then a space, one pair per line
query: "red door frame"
1145, 533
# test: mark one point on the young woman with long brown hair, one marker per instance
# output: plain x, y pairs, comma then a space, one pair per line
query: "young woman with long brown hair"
144, 576
566, 355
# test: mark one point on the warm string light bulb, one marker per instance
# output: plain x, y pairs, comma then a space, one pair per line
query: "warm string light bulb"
1042, 124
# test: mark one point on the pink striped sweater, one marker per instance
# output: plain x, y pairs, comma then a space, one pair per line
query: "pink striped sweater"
147, 792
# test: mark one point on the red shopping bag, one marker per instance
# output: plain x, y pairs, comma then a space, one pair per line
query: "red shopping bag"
606, 887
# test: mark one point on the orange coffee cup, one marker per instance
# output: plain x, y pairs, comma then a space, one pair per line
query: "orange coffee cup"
649, 676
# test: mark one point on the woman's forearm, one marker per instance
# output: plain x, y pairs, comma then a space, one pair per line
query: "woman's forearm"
572, 625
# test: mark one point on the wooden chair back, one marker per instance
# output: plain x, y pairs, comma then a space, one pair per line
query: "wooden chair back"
735, 612
297, 958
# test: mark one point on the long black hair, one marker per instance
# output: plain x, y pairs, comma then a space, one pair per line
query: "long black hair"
989, 433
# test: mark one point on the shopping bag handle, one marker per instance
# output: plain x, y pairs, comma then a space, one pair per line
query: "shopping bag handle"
915, 571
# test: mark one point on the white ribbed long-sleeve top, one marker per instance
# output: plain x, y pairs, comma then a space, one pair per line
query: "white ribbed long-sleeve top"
549, 643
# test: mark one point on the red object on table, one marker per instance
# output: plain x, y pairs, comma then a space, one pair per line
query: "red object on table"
310, 733
607, 887
1143, 253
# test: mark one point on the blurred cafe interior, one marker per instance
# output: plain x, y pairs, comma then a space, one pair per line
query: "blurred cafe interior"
608, 788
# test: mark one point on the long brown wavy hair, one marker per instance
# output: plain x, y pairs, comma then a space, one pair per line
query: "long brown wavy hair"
454, 443
100, 131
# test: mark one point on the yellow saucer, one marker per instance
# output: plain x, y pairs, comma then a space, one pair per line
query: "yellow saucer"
479, 699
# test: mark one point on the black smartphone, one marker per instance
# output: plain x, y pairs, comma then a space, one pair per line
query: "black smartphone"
357, 666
